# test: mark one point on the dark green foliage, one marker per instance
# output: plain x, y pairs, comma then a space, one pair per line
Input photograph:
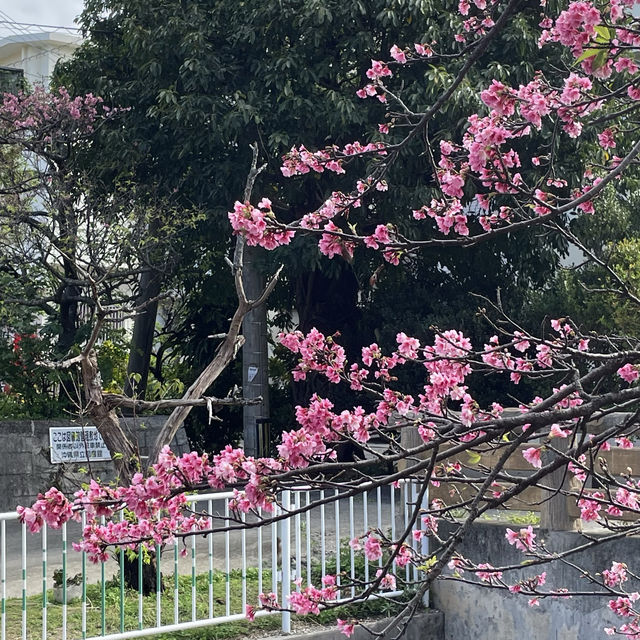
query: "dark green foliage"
27, 389
202, 80
584, 290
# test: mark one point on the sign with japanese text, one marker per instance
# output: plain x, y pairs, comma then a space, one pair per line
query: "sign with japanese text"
77, 444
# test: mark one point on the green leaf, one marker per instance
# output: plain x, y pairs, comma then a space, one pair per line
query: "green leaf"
474, 457
428, 564
589, 53
604, 34
600, 60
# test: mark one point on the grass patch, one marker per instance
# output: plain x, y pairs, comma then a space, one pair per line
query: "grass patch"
113, 615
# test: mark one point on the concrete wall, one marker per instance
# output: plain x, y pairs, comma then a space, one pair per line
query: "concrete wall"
25, 467
477, 613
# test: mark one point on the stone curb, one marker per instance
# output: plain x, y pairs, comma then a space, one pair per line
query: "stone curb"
426, 625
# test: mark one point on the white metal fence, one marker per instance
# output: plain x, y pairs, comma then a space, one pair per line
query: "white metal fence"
207, 580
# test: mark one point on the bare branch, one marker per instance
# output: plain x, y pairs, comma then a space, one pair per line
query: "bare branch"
119, 401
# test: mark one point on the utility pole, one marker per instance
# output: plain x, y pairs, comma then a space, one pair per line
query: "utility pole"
255, 358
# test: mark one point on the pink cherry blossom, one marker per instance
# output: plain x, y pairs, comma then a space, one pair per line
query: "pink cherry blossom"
398, 54
347, 628
616, 575
486, 574
378, 70
532, 456
629, 373
606, 139
423, 50
372, 548
589, 509
623, 606
523, 539
557, 432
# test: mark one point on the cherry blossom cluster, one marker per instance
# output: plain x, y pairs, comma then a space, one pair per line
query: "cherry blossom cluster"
524, 540
576, 27
309, 599
40, 118
625, 498
624, 607
447, 362
448, 214
317, 353
52, 508
486, 157
335, 205
521, 360
300, 161
527, 586
373, 545
485, 160
376, 73
157, 501
251, 222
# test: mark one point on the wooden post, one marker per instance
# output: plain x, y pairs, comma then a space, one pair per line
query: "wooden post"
409, 438
554, 513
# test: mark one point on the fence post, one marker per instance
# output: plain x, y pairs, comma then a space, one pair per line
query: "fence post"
3, 577
424, 550
554, 512
409, 438
286, 561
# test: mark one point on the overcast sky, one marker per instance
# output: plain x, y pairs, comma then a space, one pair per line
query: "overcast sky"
46, 12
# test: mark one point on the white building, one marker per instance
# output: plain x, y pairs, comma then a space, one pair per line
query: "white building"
37, 53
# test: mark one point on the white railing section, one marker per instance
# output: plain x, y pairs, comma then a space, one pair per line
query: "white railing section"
203, 580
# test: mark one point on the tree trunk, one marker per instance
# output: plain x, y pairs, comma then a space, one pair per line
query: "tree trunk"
125, 457
225, 354
124, 452
68, 318
67, 293
143, 332
69, 308
149, 575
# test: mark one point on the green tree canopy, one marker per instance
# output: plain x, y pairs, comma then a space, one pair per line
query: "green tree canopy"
202, 80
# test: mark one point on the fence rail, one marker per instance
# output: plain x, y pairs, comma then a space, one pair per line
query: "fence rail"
207, 580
